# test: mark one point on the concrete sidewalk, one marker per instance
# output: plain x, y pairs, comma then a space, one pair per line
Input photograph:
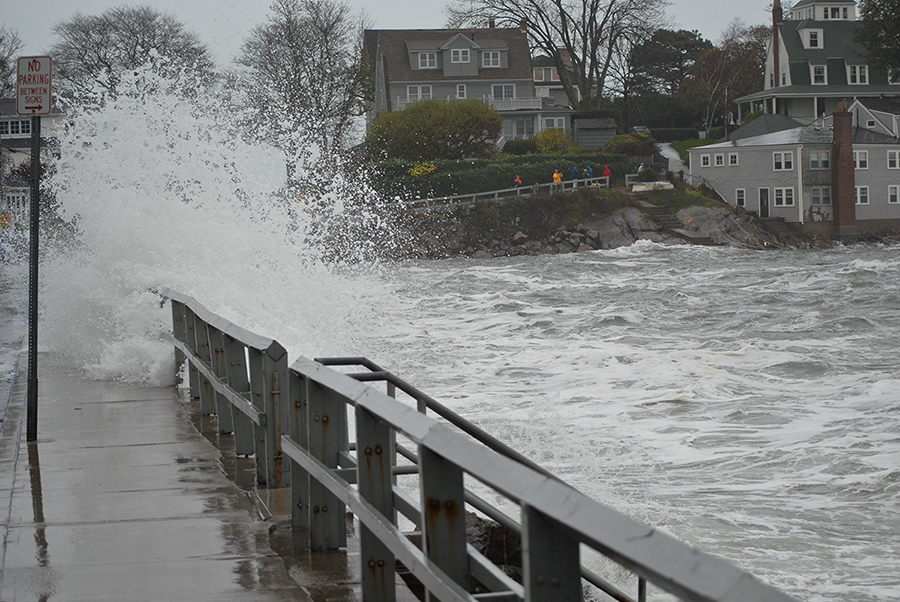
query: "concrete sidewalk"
122, 498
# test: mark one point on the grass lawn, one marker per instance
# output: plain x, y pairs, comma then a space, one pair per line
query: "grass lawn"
684, 146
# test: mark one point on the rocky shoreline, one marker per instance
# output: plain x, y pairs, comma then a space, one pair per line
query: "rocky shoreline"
448, 236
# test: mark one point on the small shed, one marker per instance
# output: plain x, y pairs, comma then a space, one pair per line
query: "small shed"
594, 133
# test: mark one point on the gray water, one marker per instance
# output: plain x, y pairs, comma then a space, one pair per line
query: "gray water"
746, 402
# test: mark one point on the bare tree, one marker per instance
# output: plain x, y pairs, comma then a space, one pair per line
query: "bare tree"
10, 45
589, 33
306, 78
95, 50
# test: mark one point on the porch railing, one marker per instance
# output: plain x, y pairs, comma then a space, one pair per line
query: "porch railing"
300, 417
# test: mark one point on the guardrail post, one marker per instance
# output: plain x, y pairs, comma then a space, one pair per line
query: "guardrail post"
299, 433
327, 439
272, 386
374, 452
190, 320
444, 516
207, 392
179, 331
551, 565
260, 382
224, 415
238, 378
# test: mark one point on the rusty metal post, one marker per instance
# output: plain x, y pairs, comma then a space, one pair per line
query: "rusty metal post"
327, 439
238, 378
374, 451
444, 516
299, 433
551, 567
224, 411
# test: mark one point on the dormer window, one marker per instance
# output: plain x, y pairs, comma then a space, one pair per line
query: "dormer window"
428, 60
819, 75
459, 55
857, 74
814, 39
490, 58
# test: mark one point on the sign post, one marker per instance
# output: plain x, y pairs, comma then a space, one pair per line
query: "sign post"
33, 98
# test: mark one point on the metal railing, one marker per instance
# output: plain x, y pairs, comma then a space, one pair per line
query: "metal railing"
300, 418
462, 200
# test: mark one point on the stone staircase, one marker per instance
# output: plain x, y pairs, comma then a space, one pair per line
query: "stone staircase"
672, 225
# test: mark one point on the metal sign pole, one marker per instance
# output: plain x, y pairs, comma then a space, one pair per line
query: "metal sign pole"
31, 430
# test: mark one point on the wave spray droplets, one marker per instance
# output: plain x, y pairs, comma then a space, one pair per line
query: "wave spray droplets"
160, 190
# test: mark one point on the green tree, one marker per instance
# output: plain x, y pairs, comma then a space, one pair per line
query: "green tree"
879, 33
436, 129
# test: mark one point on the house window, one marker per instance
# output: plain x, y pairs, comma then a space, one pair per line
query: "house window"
821, 195
825, 13
704, 160
835, 12
740, 197
819, 75
862, 195
858, 74
732, 159
461, 91
846, 14
870, 124
720, 160
428, 60
490, 58
783, 161
555, 123
893, 195
417, 93
15, 127
861, 159
893, 159
504, 91
819, 160
783, 76
814, 39
784, 197
771, 79
543, 74
459, 55
525, 127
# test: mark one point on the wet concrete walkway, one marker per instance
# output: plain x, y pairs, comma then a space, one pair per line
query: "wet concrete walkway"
122, 499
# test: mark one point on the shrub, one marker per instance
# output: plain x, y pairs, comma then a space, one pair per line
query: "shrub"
634, 145
520, 147
556, 142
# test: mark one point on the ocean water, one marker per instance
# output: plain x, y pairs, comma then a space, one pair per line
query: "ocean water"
746, 402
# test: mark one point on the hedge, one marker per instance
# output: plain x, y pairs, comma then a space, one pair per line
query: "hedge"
447, 178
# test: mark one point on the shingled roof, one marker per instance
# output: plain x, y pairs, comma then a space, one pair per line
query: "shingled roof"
396, 43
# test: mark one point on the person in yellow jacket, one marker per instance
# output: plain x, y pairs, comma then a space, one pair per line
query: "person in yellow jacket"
557, 179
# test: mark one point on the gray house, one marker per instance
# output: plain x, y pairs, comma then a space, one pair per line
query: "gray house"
813, 64
493, 65
794, 174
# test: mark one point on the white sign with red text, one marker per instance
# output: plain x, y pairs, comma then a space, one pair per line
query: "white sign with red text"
33, 85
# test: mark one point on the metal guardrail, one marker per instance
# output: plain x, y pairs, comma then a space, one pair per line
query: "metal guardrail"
300, 417
461, 200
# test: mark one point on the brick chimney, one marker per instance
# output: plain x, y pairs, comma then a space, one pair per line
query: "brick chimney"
777, 19
843, 177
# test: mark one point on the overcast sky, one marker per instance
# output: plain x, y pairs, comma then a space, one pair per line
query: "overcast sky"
223, 24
